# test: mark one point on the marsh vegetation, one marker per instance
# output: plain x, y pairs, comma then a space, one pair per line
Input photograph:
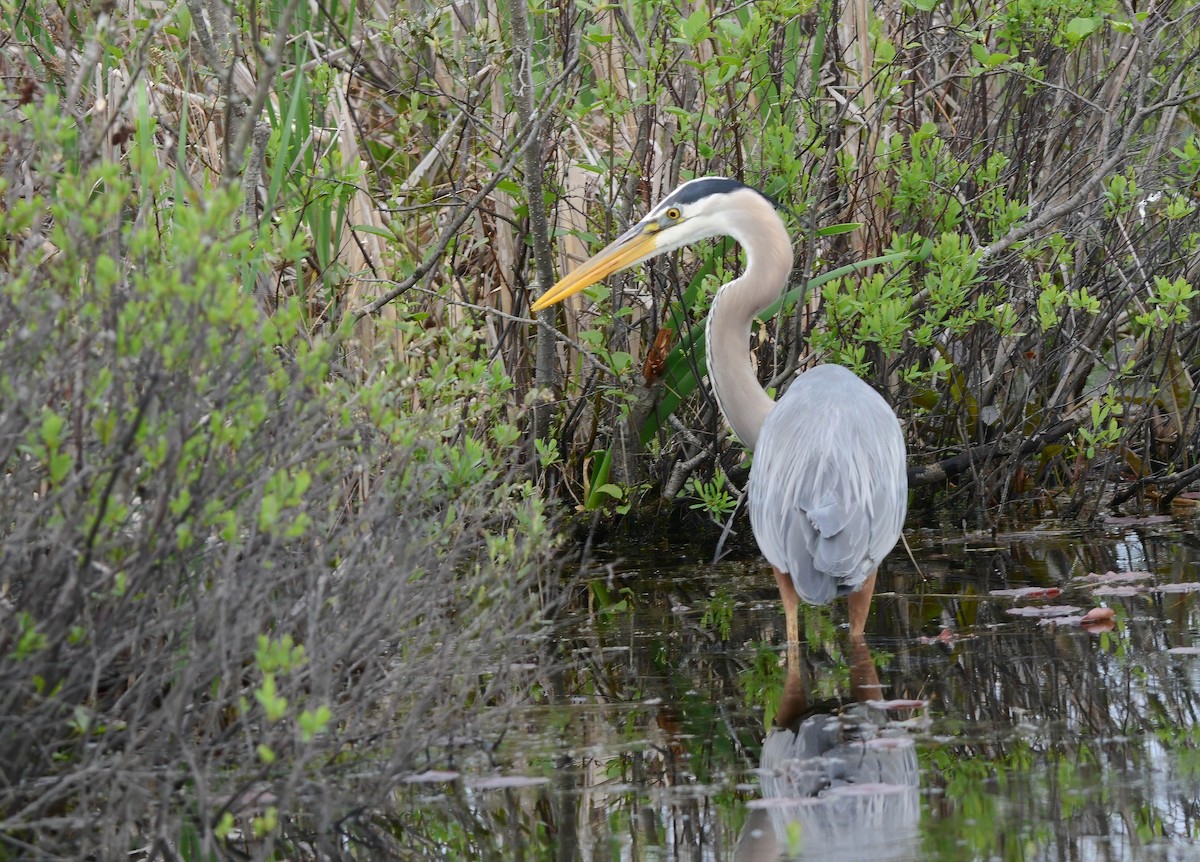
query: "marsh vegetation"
284, 460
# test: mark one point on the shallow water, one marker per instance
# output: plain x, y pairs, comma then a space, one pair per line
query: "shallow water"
958, 731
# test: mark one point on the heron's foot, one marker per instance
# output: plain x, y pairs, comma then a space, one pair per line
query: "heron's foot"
860, 606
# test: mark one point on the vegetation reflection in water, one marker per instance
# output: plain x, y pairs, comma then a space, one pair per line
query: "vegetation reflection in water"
1036, 740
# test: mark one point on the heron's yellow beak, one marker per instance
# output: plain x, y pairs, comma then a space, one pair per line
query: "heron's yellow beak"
635, 245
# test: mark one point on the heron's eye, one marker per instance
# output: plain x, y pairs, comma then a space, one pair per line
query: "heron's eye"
673, 214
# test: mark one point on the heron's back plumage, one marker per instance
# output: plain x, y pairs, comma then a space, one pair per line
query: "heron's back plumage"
828, 487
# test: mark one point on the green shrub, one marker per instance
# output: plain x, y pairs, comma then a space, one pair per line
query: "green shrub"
243, 592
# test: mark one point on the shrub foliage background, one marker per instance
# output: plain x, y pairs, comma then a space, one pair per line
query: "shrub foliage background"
244, 591
1029, 170
266, 375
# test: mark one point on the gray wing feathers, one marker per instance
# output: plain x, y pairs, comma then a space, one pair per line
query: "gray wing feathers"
828, 488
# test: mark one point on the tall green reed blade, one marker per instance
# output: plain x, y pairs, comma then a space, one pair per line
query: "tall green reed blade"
601, 492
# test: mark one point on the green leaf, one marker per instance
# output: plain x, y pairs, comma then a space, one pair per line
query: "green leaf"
612, 490
370, 228
313, 722
836, 229
510, 187
620, 361
1078, 29
273, 704
52, 426
303, 481
225, 825
599, 481
60, 465
268, 512
695, 26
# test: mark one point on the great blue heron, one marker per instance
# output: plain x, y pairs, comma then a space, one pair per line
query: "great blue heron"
828, 487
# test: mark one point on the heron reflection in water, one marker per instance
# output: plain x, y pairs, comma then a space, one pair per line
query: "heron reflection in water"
837, 783
828, 487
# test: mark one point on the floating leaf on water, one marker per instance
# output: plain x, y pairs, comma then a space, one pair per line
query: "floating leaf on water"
1044, 611
1116, 577
1029, 592
1184, 650
498, 782
1185, 587
1096, 620
430, 776
1117, 590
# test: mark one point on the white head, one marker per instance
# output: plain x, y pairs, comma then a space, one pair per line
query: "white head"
698, 209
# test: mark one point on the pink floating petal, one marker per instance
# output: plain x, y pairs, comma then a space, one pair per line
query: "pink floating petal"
1097, 615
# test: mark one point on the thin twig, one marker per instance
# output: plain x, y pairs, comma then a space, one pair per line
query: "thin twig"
516, 151
262, 91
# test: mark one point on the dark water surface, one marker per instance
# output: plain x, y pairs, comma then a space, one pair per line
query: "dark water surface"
958, 731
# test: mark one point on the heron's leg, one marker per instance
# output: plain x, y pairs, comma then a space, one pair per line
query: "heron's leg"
791, 601
860, 606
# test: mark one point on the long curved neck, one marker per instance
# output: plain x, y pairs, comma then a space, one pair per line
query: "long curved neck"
768, 249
